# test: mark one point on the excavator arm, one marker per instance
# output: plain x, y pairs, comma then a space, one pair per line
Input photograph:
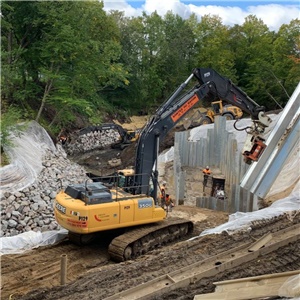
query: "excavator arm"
222, 88
210, 86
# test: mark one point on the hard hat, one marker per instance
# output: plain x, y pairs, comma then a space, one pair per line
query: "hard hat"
207, 167
164, 183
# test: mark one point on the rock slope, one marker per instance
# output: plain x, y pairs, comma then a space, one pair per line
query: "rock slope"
38, 170
32, 207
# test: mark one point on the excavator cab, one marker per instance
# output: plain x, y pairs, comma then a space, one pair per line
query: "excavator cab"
132, 135
127, 137
125, 178
217, 108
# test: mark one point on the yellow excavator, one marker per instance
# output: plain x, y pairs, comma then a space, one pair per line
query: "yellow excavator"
127, 137
126, 202
231, 112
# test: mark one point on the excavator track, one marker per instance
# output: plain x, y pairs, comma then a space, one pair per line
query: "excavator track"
141, 240
80, 239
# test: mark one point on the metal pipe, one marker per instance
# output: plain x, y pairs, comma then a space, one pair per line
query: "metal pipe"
63, 269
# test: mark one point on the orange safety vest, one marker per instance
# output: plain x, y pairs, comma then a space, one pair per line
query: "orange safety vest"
168, 200
206, 172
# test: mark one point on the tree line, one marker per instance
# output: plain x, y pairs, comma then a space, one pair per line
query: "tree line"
70, 62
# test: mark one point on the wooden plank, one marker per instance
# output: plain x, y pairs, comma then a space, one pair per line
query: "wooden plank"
248, 288
261, 242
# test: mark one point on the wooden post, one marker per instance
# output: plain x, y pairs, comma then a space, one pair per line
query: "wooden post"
63, 269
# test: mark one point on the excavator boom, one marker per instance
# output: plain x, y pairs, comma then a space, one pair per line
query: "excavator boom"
223, 88
211, 86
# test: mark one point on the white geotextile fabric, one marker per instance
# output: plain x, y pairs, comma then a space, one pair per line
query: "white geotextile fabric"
289, 174
30, 240
291, 287
25, 153
240, 221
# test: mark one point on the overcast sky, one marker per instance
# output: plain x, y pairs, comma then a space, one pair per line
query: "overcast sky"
273, 13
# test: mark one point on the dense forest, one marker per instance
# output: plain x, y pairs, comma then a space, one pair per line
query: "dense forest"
70, 63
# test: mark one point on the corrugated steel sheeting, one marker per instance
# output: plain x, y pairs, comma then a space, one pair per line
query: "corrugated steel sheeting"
244, 183
217, 150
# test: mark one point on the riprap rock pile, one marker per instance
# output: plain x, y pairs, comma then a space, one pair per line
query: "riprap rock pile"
98, 139
32, 207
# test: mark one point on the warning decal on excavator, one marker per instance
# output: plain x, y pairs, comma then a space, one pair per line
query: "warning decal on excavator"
76, 223
184, 108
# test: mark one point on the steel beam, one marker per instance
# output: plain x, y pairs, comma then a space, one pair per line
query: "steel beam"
281, 142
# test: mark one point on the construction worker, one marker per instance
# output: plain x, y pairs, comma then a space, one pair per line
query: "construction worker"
220, 193
163, 194
206, 172
169, 203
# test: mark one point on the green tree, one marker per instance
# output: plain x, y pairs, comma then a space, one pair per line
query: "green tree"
177, 55
213, 48
159, 53
286, 55
252, 45
68, 59
141, 40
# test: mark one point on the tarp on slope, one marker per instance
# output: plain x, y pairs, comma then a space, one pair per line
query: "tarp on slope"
25, 155
30, 240
240, 221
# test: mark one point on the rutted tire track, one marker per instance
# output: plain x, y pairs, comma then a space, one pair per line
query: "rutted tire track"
43, 265
212, 266
22, 273
267, 264
105, 281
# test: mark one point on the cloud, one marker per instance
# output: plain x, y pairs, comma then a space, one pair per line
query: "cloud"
230, 15
122, 5
273, 15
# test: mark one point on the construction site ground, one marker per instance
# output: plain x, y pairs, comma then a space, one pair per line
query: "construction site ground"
91, 275
35, 274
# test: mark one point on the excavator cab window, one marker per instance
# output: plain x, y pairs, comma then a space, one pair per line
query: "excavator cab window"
121, 181
125, 181
131, 135
216, 108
